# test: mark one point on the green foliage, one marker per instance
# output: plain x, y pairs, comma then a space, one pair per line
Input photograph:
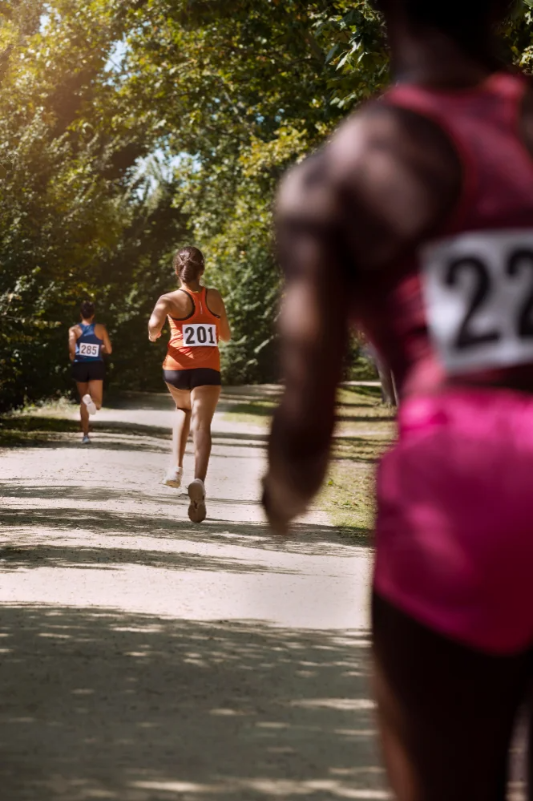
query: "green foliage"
74, 222
246, 89
131, 127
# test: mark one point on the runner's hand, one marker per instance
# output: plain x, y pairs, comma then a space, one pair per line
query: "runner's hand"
281, 505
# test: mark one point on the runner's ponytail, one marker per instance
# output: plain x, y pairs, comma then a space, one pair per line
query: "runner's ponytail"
87, 309
189, 264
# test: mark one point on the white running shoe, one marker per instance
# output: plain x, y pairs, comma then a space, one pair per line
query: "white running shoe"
86, 440
197, 510
173, 477
88, 401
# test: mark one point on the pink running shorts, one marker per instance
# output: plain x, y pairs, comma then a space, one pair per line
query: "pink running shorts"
454, 534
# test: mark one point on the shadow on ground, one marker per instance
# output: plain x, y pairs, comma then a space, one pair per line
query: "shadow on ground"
34, 431
128, 707
20, 549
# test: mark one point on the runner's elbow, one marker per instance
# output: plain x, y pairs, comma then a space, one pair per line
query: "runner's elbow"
225, 331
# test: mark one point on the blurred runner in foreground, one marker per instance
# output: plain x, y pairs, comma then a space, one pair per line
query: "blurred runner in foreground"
88, 342
416, 220
198, 320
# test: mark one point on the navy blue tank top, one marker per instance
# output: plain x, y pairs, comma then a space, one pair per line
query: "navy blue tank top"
88, 346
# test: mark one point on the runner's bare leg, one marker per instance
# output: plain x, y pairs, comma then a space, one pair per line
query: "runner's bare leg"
182, 424
83, 388
204, 404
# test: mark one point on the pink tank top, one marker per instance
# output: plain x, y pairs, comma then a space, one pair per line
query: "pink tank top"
459, 309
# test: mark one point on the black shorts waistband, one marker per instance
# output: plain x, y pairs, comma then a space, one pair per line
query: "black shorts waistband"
82, 372
191, 379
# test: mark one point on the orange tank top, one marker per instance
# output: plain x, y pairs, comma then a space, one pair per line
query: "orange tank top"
194, 339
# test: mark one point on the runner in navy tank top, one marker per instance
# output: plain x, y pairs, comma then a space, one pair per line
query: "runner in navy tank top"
415, 222
88, 342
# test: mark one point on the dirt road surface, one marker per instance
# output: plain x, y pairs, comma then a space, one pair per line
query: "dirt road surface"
145, 658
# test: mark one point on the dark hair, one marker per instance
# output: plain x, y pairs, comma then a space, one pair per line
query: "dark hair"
87, 309
452, 16
188, 264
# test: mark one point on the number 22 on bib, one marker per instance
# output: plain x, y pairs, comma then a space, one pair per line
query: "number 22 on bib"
200, 335
478, 292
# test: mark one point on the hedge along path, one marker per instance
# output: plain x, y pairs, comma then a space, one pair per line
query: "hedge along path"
147, 658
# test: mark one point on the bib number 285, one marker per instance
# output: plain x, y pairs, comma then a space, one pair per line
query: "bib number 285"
89, 350
479, 299
200, 335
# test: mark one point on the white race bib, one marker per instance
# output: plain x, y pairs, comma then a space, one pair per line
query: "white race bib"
87, 349
200, 335
478, 290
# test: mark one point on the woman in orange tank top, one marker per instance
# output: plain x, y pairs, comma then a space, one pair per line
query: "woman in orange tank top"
191, 370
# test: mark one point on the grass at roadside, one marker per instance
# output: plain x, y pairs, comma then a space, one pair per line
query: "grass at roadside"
252, 406
348, 493
365, 428
37, 425
56, 422
256, 405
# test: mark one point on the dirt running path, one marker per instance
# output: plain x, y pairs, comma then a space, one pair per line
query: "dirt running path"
144, 658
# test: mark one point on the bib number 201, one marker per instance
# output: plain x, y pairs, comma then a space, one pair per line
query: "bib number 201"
200, 335
479, 299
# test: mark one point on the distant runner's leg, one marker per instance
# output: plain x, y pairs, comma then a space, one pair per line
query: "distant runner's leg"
96, 391
204, 404
84, 414
388, 389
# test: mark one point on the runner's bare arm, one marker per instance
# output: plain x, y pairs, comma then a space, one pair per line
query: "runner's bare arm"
374, 191
216, 304
158, 318
108, 349
73, 335
313, 328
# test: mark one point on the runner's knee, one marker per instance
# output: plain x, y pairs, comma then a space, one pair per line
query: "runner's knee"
201, 426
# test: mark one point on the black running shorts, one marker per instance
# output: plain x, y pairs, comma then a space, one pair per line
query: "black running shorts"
83, 372
190, 379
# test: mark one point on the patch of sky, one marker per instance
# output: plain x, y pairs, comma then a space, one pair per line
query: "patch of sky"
44, 19
158, 167
115, 60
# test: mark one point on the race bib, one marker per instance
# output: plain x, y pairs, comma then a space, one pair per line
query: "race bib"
200, 335
86, 349
478, 290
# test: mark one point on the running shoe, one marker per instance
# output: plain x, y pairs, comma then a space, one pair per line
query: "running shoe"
197, 510
88, 401
173, 477
86, 440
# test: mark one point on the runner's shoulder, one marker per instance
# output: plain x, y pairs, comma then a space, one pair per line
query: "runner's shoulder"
178, 303
378, 148
385, 180
215, 301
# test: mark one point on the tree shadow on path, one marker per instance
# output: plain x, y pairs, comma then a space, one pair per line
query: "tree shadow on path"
101, 704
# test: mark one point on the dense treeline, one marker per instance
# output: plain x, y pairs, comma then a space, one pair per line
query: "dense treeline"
129, 127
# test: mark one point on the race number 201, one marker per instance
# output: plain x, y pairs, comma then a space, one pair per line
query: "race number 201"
200, 335
478, 290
